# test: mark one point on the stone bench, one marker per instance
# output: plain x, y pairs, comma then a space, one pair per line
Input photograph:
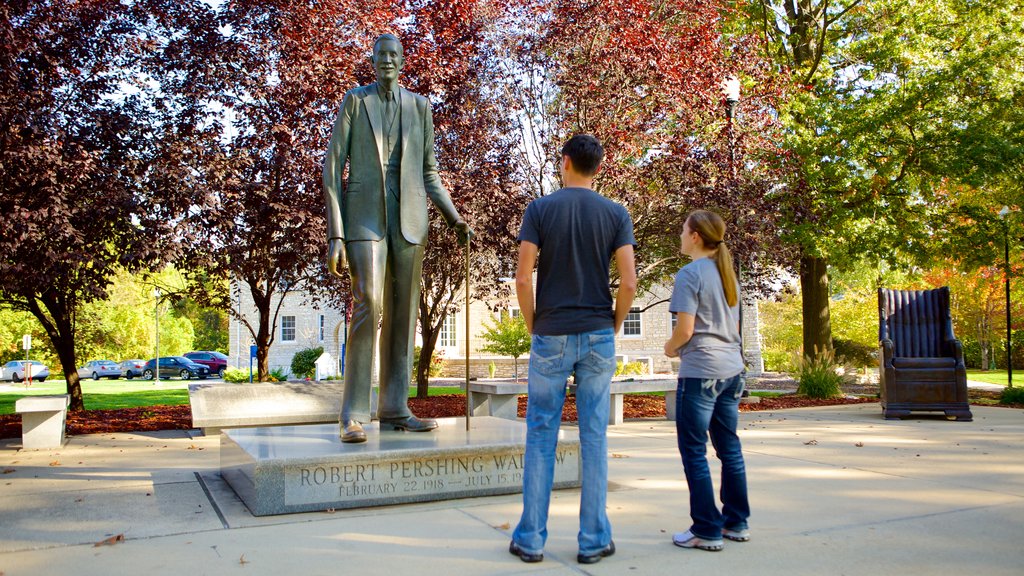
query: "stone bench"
43, 420
619, 388
500, 399
218, 405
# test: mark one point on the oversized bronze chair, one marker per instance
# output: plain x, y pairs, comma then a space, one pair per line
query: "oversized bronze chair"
922, 364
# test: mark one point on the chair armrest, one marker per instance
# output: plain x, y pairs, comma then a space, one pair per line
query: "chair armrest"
954, 349
887, 352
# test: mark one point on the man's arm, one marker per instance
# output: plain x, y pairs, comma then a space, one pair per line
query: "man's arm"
334, 166
524, 281
681, 335
627, 283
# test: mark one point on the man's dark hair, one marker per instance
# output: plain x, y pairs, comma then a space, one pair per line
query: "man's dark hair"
387, 36
585, 152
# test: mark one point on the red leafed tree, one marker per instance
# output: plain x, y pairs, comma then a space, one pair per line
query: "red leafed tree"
90, 157
274, 74
452, 57
645, 77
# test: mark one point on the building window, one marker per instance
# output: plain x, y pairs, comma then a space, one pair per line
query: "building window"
672, 322
322, 323
446, 339
632, 325
288, 328
516, 312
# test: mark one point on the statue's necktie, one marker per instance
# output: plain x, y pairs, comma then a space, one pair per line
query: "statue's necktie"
389, 108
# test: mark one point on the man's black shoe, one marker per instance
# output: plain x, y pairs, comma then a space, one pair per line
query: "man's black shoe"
596, 556
515, 550
409, 424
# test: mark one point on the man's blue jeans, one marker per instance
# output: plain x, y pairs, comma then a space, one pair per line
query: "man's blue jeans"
704, 406
591, 355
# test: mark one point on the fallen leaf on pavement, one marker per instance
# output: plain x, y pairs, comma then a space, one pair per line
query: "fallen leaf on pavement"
55, 463
242, 560
110, 541
811, 443
9, 470
504, 526
858, 444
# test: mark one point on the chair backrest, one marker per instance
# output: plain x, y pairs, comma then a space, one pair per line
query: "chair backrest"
917, 321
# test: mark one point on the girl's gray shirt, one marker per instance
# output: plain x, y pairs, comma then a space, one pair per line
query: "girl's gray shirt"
714, 351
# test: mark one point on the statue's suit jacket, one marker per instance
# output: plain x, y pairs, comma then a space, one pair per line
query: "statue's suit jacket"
359, 212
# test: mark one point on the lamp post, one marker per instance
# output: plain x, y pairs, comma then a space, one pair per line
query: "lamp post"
156, 318
1006, 251
731, 87
731, 90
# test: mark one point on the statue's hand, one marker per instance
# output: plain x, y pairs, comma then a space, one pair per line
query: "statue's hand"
464, 232
336, 260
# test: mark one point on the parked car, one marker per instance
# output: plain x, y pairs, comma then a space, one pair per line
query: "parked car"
97, 369
132, 368
171, 366
15, 370
215, 361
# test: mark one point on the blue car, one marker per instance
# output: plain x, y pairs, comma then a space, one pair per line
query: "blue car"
175, 366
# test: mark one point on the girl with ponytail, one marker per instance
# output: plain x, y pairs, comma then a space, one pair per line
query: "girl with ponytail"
706, 339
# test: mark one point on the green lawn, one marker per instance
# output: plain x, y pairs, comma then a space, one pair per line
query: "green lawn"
111, 394
102, 394
995, 376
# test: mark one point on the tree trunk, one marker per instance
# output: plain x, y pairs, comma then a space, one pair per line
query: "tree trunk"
429, 334
817, 328
263, 345
62, 338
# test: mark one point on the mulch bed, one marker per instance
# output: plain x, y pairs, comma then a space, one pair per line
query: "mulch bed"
635, 406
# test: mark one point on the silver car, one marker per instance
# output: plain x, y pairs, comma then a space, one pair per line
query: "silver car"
132, 368
15, 370
97, 369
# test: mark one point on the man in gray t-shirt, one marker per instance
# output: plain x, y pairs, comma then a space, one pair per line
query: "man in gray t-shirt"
714, 349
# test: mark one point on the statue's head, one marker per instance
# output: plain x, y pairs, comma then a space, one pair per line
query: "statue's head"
387, 58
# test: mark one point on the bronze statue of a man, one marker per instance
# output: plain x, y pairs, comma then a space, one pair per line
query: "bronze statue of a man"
377, 224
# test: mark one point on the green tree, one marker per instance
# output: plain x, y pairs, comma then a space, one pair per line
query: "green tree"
508, 337
899, 104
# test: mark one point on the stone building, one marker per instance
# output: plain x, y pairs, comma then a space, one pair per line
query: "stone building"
301, 325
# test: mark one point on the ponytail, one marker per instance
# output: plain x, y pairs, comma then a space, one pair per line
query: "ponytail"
711, 229
723, 259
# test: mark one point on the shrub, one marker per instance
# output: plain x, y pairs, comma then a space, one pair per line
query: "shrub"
638, 368
491, 369
236, 375
777, 360
818, 377
856, 354
1013, 395
304, 362
436, 363
278, 375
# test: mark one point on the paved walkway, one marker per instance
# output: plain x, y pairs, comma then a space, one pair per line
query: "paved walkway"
835, 490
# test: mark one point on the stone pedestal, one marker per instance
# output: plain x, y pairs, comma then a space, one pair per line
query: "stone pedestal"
285, 469
42, 420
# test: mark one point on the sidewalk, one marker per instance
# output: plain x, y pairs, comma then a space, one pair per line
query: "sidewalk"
834, 490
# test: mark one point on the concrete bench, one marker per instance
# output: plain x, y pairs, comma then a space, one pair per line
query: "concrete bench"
43, 420
499, 399
217, 405
619, 388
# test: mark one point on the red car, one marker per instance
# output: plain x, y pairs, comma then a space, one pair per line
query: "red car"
215, 361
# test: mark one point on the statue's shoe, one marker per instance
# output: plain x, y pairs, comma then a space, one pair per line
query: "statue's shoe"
352, 432
409, 424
